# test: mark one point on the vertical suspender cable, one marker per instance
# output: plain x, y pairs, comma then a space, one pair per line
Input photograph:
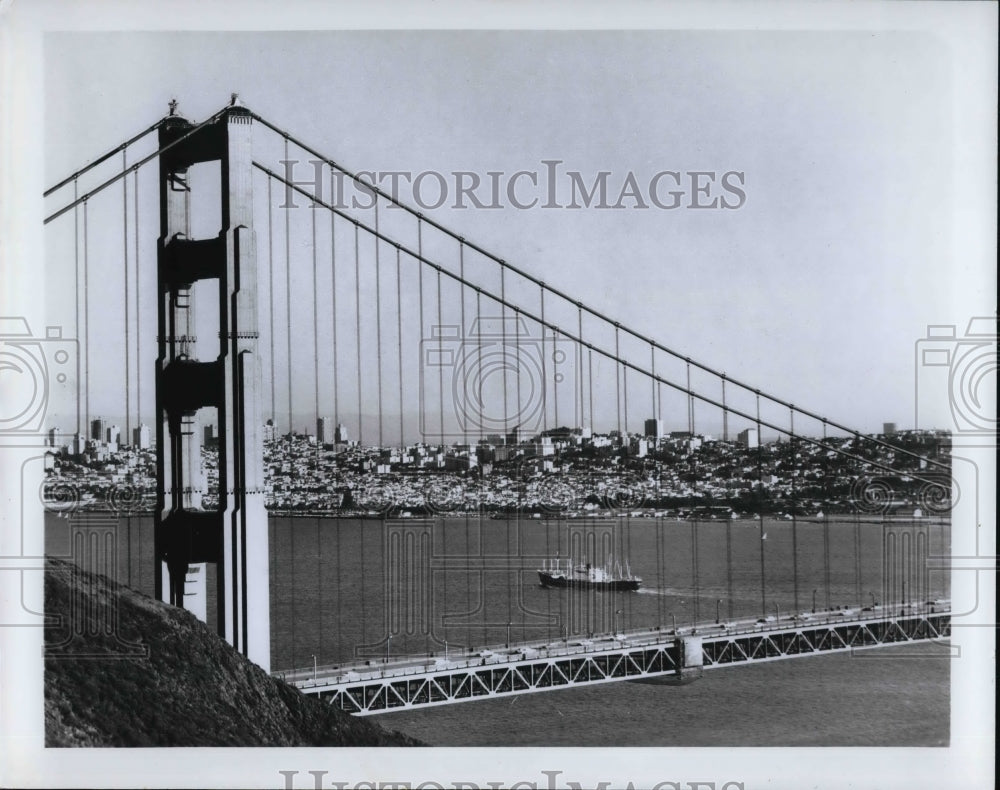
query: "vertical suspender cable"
503, 373
503, 350
694, 568
444, 524
315, 290
725, 412
320, 576
625, 402
438, 330
462, 327
478, 383
86, 318
270, 289
357, 313
590, 386
288, 300
795, 530
690, 401
618, 386
826, 560
729, 568
399, 347
463, 413
653, 384
333, 320
857, 558
579, 363
336, 420
378, 329
760, 518
76, 286
138, 322
545, 378
128, 376
422, 420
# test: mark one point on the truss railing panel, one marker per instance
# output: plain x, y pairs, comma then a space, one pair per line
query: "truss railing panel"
430, 686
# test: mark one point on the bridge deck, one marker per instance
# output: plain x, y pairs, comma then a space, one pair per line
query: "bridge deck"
652, 656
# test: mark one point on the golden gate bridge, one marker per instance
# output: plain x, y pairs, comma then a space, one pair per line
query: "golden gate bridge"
442, 366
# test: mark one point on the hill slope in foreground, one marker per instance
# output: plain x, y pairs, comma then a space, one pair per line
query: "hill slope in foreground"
192, 689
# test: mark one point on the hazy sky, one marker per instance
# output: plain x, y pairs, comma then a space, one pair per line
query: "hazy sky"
816, 288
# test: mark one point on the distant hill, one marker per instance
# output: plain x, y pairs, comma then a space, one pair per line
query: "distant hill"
193, 689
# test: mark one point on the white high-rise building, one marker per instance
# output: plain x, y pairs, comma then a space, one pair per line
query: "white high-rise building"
140, 437
268, 435
748, 438
114, 432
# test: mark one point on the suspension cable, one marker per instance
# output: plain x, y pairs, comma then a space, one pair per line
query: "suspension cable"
380, 193
135, 166
625, 363
103, 158
556, 292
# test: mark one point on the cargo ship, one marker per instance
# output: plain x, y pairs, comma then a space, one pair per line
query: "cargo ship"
586, 576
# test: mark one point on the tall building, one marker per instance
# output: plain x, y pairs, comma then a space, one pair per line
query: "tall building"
654, 428
268, 433
748, 438
516, 435
210, 436
114, 433
99, 430
140, 437
340, 435
888, 428
53, 436
323, 432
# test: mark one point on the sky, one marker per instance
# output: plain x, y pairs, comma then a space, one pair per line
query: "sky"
817, 288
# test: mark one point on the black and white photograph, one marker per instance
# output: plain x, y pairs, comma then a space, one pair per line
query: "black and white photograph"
605, 393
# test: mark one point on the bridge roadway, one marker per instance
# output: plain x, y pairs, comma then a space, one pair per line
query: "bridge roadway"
652, 656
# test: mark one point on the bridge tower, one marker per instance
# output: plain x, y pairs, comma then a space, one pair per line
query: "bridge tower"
231, 536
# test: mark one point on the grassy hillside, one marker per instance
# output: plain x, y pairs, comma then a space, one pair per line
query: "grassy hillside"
192, 689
